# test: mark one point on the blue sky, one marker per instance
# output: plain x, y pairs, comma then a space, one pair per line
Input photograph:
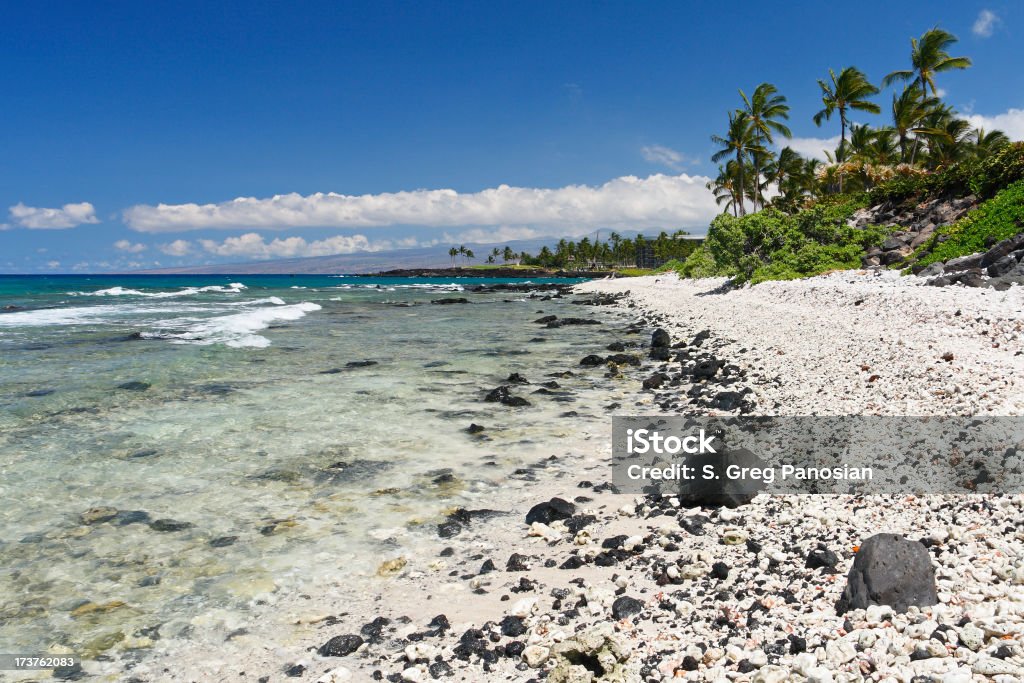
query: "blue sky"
129, 129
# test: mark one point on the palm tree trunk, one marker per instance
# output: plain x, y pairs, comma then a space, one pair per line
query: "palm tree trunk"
842, 147
739, 165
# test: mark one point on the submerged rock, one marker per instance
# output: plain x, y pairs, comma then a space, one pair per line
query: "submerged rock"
889, 570
360, 363
391, 567
98, 515
167, 525
503, 396
134, 386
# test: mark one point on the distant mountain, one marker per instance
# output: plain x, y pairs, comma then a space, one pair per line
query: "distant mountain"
360, 262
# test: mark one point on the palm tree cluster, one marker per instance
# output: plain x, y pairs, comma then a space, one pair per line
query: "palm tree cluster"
616, 251
925, 134
461, 250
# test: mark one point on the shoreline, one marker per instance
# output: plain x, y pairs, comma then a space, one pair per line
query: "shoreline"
669, 592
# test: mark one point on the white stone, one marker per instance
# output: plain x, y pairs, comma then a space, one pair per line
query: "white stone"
535, 655
523, 608
770, 674
840, 651
339, 675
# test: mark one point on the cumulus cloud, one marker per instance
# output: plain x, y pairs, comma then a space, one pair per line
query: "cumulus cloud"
253, 245
813, 148
985, 24
126, 246
659, 154
1010, 122
176, 248
626, 202
39, 218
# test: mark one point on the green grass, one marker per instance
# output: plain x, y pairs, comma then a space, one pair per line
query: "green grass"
997, 219
636, 272
510, 266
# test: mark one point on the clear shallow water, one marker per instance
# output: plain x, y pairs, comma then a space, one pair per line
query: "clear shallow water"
225, 403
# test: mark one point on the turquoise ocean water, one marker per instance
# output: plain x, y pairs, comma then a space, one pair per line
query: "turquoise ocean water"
224, 452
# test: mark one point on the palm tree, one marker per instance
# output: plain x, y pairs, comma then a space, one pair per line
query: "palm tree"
861, 138
726, 188
462, 252
928, 57
987, 143
764, 107
909, 108
508, 254
738, 142
469, 255
787, 174
883, 148
453, 252
849, 90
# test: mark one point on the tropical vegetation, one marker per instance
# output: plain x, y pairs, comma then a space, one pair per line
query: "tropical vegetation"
798, 206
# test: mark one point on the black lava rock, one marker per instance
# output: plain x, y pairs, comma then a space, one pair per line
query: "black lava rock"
295, 671
512, 626
341, 646
655, 381
516, 563
821, 557
551, 511
625, 607
441, 670
889, 570
660, 339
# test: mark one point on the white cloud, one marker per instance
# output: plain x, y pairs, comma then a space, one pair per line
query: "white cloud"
53, 264
493, 235
985, 23
813, 148
1010, 122
626, 202
38, 218
659, 154
176, 248
125, 245
253, 245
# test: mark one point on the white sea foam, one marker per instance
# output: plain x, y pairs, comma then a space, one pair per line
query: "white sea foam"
239, 330
233, 288
87, 315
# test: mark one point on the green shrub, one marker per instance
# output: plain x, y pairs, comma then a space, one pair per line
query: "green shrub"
981, 177
699, 264
993, 220
773, 245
